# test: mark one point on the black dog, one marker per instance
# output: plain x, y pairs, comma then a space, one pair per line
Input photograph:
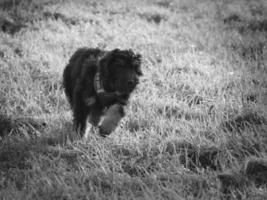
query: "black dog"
96, 80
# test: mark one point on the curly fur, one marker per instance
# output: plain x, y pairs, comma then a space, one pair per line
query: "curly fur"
119, 71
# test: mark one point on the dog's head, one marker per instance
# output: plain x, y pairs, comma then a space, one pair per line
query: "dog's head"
120, 70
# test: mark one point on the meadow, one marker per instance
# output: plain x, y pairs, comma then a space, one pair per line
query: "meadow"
195, 128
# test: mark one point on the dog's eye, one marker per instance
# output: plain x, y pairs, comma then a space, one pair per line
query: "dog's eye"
119, 63
119, 66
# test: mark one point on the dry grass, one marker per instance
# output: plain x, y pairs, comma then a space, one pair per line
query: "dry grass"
198, 115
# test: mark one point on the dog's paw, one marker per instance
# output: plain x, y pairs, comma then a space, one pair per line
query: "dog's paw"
110, 120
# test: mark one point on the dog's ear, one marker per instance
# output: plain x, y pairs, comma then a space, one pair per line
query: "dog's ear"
137, 59
104, 62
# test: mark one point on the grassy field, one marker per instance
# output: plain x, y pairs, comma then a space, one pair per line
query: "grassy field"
196, 127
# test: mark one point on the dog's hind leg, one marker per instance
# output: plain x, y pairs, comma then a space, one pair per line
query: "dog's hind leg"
79, 120
80, 111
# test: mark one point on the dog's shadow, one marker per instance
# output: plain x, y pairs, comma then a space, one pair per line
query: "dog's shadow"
60, 135
24, 141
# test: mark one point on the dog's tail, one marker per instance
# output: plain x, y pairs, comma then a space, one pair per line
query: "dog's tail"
67, 82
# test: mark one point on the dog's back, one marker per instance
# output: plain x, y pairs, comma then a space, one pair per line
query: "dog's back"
74, 68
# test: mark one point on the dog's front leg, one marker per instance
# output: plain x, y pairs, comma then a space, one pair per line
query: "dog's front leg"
93, 118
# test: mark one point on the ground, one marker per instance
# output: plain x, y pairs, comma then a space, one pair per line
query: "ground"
195, 128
